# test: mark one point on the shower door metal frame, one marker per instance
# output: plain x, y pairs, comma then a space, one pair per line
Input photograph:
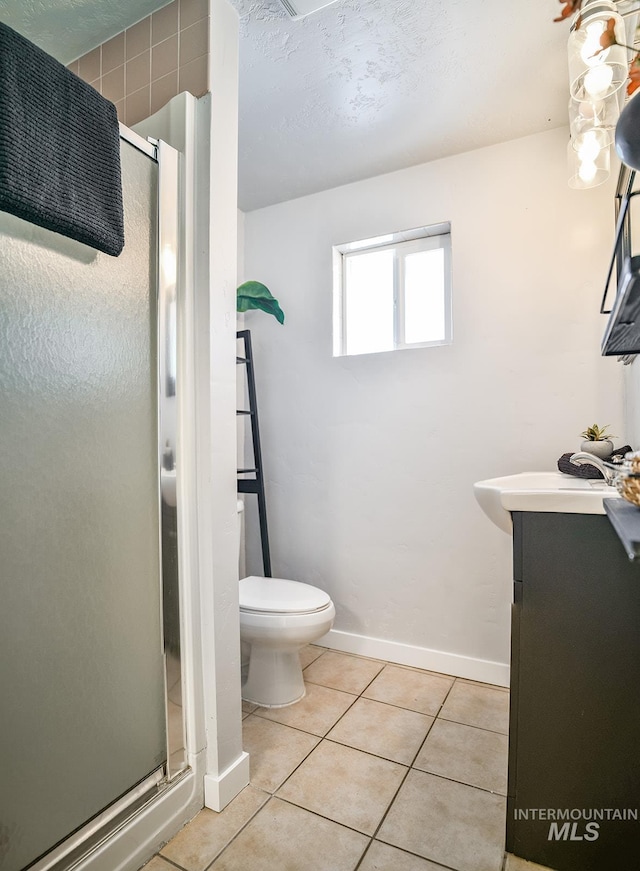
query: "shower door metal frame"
168, 230
79, 845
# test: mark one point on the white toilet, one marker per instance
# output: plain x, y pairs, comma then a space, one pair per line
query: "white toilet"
277, 618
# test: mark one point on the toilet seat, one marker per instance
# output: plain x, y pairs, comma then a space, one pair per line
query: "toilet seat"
273, 596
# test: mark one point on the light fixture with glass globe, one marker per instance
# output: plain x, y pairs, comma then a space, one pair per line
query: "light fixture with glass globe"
595, 73
596, 79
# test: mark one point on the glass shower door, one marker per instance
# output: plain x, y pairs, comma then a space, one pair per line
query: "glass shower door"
81, 663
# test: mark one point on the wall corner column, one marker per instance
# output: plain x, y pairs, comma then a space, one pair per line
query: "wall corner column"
227, 766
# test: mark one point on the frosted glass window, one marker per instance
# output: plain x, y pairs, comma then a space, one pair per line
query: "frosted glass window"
393, 292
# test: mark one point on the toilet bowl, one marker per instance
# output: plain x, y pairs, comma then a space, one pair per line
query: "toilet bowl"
277, 618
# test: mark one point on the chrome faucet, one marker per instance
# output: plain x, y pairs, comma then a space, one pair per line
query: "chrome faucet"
583, 458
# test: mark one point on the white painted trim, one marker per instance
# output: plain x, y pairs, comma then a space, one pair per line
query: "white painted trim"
419, 657
218, 791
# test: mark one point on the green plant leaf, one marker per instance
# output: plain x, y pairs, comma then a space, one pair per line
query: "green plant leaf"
255, 295
596, 433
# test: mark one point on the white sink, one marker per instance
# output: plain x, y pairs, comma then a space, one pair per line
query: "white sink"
540, 491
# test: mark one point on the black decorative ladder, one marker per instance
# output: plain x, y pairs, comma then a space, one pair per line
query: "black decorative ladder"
255, 484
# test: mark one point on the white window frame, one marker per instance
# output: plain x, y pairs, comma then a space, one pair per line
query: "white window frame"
402, 243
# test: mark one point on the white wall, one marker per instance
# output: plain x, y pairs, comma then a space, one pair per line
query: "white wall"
370, 460
632, 403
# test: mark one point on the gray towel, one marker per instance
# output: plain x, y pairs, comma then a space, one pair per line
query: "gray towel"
59, 148
588, 471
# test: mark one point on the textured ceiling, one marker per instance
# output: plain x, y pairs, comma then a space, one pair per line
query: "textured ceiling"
361, 87
368, 86
67, 29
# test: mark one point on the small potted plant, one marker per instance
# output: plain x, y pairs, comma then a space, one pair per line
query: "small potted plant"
597, 441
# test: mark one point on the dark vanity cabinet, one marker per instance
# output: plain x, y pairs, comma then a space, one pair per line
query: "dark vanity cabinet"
574, 744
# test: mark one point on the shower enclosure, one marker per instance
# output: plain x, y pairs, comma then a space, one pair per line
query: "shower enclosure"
90, 676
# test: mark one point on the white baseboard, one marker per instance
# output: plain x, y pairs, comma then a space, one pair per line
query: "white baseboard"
218, 791
418, 657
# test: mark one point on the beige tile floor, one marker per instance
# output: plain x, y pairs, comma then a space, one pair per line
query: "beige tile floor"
378, 768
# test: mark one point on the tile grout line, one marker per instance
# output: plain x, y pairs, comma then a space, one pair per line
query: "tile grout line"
401, 784
461, 782
441, 674
359, 696
356, 696
375, 755
164, 859
402, 708
306, 731
416, 668
410, 768
242, 828
443, 776
471, 726
321, 737
324, 737
322, 817
390, 704
179, 22
372, 838
438, 865
364, 853
291, 773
